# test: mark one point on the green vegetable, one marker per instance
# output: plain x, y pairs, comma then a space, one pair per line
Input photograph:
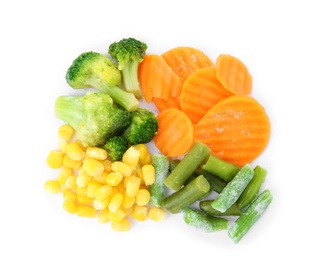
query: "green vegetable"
191, 161
129, 53
94, 116
220, 168
186, 196
116, 147
243, 224
233, 189
157, 189
252, 188
204, 222
142, 128
95, 70
206, 206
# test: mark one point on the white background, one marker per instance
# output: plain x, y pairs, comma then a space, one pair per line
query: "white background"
280, 43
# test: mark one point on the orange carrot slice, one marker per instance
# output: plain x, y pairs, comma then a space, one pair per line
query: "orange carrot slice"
237, 129
185, 60
233, 74
157, 79
175, 134
200, 92
162, 104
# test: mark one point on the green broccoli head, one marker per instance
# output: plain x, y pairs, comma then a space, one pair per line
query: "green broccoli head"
129, 53
94, 116
142, 128
116, 147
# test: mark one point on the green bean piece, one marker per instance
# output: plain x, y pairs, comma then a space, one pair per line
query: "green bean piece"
252, 188
216, 183
157, 189
187, 195
233, 189
220, 168
206, 206
243, 224
204, 222
191, 161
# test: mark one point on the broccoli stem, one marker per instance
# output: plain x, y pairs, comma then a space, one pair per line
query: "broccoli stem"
130, 78
243, 224
185, 168
206, 206
186, 196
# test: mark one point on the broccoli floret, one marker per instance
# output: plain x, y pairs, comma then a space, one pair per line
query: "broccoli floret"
129, 53
95, 70
116, 147
94, 116
142, 128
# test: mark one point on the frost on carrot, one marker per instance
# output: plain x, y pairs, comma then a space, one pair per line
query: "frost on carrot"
185, 60
237, 129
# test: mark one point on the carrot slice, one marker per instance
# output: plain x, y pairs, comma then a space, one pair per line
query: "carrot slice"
162, 104
233, 74
175, 134
200, 92
237, 129
157, 79
185, 60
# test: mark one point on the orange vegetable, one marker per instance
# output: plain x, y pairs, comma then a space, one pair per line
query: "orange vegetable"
162, 104
233, 74
175, 135
185, 60
237, 129
200, 92
157, 79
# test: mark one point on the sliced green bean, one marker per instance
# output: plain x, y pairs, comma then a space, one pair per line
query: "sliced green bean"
243, 224
203, 222
233, 189
187, 195
206, 206
190, 162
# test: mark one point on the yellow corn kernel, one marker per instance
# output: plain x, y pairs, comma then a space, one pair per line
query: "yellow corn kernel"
75, 152
122, 226
93, 167
122, 167
115, 202
114, 178
131, 156
71, 182
139, 213
96, 153
107, 165
139, 173
64, 173
103, 192
128, 201
145, 156
62, 144
84, 200
70, 206
66, 132
81, 191
54, 159
92, 188
86, 211
142, 197
132, 186
149, 174
103, 216
157, 214
100, 204
73, 164
117, 216
100, 178
52, 186
69, 195
83, 179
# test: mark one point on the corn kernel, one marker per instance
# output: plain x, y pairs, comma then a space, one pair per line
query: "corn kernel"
157, 214
145, 157
71, 182
122, 226
107, 165
149, 174
132, 186
117, 216
103, 216
64, 173
122, 167
100, 178
52, 186
128, 201
115, 202
69, 195
70, 206
81, 191
139, 173
93, 166
74, 151
104, 192
114, 178
54, 159
131, 156
83, 179
73, 164
139, 213
100, 204
142, 197
86, 211
96, 153
66, 132
84, 200
62, 144
92, 188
